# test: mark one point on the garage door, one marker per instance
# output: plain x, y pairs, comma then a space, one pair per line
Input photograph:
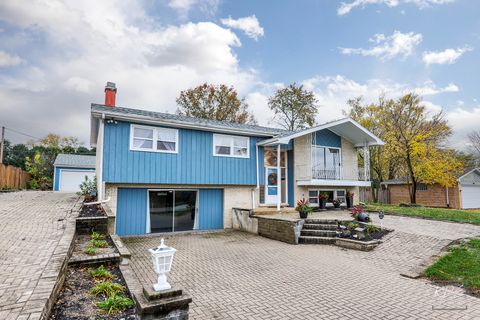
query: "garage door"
470, 196
70, 179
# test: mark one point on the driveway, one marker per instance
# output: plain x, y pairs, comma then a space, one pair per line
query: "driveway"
36, 229
236, 275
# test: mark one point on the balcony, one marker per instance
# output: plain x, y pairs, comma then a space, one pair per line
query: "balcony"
336, 177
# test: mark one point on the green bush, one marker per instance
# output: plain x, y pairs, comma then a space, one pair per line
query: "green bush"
98, 243
97, 236
370, 228
107, 288
100, 273
115, 303
88, 187
91, 250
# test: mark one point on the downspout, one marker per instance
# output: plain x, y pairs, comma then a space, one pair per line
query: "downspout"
448, 198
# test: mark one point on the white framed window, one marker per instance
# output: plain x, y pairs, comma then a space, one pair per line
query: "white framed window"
332, 194
154, 139
231, 146
313, 197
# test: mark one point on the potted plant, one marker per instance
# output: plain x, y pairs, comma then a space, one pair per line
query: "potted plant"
336, 204
322, 200
350, 199
303, 207
359, 214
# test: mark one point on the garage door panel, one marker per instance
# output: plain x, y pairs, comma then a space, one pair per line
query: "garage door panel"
470, 196
70, 180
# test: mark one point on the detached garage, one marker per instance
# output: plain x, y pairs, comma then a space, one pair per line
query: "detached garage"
470, 189
71, 170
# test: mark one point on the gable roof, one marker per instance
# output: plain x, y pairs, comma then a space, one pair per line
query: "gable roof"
346, 127
74, 160
468, 173
175, 120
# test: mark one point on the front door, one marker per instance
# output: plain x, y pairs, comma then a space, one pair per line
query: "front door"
172, 210
271, 180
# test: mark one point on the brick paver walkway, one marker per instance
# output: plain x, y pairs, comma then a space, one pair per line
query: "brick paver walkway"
36, 229
235, 275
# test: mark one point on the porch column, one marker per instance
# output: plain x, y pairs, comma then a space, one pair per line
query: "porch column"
366, 161
279, 178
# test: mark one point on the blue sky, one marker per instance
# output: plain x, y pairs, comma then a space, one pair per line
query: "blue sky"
55, 56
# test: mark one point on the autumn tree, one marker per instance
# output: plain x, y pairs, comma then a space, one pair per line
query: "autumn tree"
417, 139
216, 102
294, 107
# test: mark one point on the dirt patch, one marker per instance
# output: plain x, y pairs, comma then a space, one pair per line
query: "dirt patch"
82, 241
92, 211
75, 301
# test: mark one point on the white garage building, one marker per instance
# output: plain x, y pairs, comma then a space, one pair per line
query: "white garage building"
469, 185
71, 170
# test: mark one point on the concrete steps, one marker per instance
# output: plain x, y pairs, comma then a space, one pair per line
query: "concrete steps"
319, 231
316, 240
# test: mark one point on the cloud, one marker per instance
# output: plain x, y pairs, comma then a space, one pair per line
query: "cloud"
463, 122
183, 7
388, 47
9, 60
346, 8
88, 43
249, 25
448, 56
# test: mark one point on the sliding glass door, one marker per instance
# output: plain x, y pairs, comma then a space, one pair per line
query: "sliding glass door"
172, 210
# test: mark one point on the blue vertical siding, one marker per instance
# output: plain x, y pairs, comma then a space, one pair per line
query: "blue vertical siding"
327, 138
56, 182
210, 209
290, 179
131, 216
193, 164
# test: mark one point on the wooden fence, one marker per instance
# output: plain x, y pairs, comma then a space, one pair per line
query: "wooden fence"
367, 196
13, 178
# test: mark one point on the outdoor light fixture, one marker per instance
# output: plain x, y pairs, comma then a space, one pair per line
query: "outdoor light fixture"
162, 257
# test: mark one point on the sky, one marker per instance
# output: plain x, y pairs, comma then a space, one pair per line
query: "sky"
56, 56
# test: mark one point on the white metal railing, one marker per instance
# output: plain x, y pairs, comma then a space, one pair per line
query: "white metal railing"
339, 174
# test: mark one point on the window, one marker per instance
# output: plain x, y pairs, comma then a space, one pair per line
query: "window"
313, 196
155, 139
326, 163
422, 187
231, 146
330, 194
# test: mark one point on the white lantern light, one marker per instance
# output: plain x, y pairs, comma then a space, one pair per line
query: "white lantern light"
162, 257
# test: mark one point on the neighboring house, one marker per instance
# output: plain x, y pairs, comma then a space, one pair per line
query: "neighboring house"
164, 172
71, 170
464, 195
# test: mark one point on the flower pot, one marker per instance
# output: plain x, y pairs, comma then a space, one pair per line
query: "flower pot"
322, 203
349, 202
336, 205
363, 217
303, 214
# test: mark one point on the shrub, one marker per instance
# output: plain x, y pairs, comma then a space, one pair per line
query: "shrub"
98, 243
352, 225
97, 236
100, 273
88, 187
114, 303
107, 288
91, 250
370, 228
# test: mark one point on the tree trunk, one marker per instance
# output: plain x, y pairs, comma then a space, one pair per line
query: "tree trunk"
413, 190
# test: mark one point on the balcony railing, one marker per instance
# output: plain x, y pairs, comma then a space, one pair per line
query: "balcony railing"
337, 174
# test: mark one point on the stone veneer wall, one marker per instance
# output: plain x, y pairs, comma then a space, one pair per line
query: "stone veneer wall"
281, 230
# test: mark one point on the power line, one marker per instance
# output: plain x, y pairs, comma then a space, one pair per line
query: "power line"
25, 134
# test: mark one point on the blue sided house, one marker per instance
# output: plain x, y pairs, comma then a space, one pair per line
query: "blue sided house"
70, 170
167, 173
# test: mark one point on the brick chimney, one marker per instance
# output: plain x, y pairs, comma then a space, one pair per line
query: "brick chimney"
110, 93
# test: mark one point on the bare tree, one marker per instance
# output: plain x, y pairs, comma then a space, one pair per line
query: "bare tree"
474, 138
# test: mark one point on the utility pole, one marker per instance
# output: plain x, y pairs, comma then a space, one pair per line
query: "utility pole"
2, 144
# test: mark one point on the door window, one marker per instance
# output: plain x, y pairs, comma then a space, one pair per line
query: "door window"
172, 210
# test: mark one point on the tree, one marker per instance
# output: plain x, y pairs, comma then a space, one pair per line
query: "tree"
15, 154
39, 171
417, 139
294, 107
216, 102
474, 138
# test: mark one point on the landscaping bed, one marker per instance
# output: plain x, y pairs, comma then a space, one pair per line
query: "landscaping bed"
94, 249
460, 266
94, 210
352, 231
442, 214
99, 293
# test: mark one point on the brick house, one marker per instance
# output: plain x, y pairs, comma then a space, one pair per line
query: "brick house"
464, 195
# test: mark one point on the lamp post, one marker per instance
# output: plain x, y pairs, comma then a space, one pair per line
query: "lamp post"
162, 257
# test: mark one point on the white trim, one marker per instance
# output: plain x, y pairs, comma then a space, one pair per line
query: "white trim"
232, 146
466, 174
99, 161
197, 205
154, 138
279, 177
329, 125
70, 170
334, 183
257, 166
327, 190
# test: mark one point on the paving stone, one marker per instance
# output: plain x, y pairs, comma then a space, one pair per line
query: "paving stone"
33, 246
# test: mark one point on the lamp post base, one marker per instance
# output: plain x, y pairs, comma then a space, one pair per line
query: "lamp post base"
162, 283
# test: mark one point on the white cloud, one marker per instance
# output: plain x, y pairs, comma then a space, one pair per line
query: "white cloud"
346, 8
249, 25
429, 89
89, 43
448, 56
388, 47
183, 7
9, 60
463, 121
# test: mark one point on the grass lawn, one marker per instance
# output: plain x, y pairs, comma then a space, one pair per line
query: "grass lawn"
431, 213
461, 265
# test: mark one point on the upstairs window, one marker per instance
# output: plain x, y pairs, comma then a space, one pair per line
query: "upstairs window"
154, 139
231, 146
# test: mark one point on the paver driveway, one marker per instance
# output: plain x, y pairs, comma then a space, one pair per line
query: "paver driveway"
235, 275
36, 229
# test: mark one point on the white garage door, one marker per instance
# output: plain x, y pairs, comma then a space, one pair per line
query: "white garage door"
470, 196
70, 179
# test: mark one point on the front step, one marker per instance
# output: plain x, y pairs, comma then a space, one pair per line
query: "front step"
322, 221
319, 233
317, 226
316, 240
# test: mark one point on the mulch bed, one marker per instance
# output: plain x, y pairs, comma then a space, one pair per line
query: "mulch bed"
92, 211
75, 301
81, 243
370, 236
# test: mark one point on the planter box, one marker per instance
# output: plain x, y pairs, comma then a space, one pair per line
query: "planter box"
356, 244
